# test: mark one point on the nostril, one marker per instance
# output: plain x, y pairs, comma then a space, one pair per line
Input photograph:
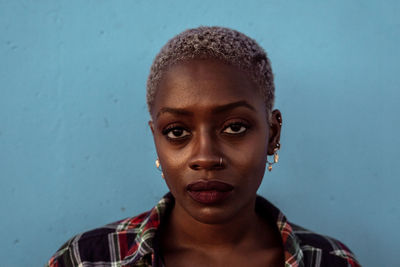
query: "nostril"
206, 165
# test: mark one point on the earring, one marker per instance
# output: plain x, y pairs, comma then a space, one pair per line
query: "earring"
279, 121
276, 157
158, 166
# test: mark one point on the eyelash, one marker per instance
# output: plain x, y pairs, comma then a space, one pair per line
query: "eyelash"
236, 123
169, 129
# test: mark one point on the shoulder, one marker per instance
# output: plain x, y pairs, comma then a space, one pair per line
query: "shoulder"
107, 244
326, 250
303, 247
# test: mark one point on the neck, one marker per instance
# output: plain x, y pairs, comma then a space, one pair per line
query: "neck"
185, 232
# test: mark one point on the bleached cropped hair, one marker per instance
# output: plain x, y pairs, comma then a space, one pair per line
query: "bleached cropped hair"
228, 45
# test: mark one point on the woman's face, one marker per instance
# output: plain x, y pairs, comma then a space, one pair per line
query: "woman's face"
205, 111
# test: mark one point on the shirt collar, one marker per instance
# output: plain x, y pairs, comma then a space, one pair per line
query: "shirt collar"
291, 244
145, 246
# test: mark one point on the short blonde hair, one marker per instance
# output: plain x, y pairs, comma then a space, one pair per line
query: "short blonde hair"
228, 45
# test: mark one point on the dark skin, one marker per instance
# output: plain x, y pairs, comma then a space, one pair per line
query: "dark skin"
205, 110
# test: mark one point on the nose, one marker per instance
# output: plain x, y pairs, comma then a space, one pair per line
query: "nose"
206, 154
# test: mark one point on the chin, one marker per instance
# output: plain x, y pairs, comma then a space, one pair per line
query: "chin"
212, 215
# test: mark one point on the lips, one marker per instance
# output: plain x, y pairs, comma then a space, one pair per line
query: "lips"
209, 192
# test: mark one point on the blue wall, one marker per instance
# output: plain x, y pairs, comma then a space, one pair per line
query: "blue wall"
76, 152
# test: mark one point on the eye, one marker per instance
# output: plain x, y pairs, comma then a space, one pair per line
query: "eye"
176, 132
235, 128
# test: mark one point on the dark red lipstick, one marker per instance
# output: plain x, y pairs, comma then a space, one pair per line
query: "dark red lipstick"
209, 192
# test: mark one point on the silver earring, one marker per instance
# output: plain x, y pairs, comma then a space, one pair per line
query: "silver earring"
220, 162
158, 166
276, 157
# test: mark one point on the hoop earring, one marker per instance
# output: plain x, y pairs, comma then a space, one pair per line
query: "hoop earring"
158, 166
276, 157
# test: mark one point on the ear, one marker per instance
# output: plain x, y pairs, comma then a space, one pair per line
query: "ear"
151, 124
274, 131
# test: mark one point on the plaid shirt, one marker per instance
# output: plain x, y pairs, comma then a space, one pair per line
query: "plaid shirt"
133, 242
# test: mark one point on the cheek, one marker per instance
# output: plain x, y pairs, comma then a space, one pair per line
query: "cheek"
250, 160
254, 148
252, 164
173, 161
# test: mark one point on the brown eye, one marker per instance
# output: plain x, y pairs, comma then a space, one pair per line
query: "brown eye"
235, 128
176, 132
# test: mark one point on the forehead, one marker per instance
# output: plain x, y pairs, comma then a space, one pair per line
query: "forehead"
205, 83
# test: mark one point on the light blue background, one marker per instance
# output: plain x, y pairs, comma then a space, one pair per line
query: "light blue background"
76, 152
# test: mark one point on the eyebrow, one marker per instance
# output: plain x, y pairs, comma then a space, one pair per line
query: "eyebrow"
219, 109
176, 111
233, 105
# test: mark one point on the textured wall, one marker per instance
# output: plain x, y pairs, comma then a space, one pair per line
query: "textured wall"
76, 153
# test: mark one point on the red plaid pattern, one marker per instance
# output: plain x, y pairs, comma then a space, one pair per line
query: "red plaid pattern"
132, 242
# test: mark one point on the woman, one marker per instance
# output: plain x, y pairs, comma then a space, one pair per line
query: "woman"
210, 95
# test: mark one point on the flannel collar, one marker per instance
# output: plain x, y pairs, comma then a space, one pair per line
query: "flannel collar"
144, 249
